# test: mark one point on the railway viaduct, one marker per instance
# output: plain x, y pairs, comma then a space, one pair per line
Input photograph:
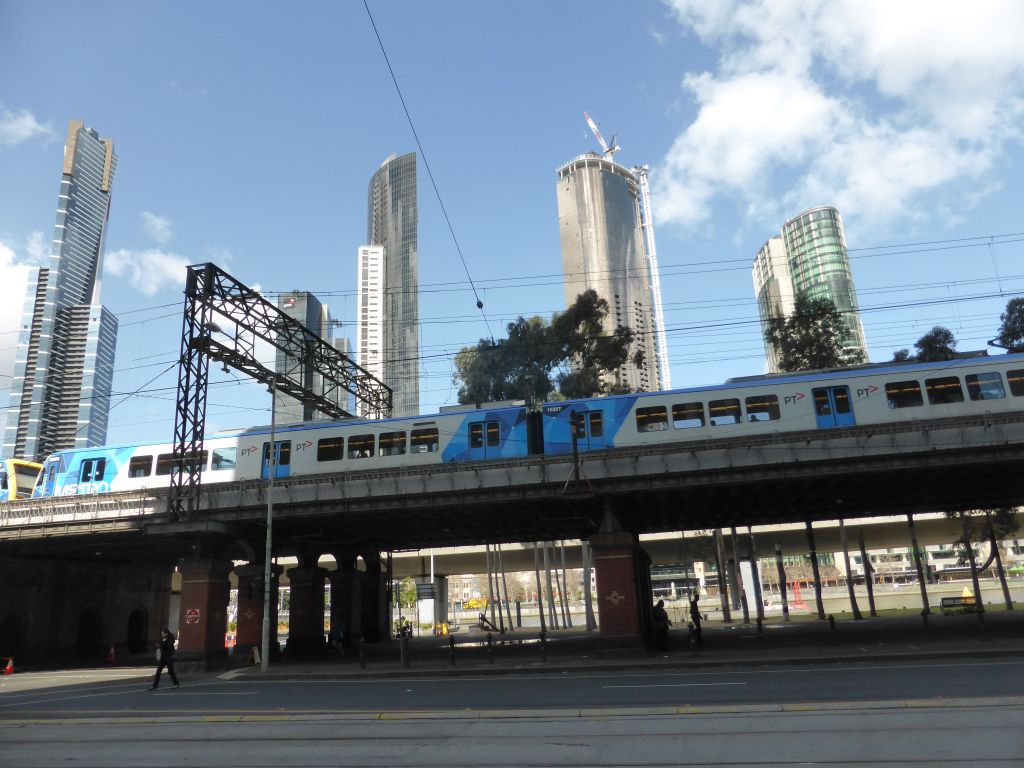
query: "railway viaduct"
80, 573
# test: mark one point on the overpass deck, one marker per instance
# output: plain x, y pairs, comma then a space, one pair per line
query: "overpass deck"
853, 472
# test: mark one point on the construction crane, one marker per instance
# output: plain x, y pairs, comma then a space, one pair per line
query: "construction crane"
647, 225
607, 150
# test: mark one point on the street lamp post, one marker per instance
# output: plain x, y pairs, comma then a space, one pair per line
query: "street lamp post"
267, 566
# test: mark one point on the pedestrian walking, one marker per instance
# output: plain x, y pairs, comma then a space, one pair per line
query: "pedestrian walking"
661, 625
165, 658
695, 618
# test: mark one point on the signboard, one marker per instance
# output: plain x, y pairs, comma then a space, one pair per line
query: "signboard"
426, 591
192, 616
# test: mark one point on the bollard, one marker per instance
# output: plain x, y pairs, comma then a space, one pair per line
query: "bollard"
543, 646
924, 617
451, 649
760, 628
490, 648
403, 645
831, 623
362, 658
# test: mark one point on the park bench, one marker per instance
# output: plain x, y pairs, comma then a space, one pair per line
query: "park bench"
950, 604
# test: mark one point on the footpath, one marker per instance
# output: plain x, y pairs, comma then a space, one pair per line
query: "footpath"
960, 636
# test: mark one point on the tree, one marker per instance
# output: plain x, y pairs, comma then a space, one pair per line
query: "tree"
814, 336
574, 347
1011, 331
901, 355
585, 351
936, 345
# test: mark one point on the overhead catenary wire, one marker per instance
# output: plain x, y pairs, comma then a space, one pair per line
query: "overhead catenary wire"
430, 174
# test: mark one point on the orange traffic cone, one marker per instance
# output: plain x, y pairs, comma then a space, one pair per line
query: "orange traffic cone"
110, 654
9, 669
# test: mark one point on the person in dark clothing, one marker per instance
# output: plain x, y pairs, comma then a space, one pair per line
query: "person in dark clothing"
165, 658
695, 618
661, 625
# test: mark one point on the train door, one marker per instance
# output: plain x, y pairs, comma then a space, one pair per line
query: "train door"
282, 459
833, 407
48, 478
588, 426
484, 439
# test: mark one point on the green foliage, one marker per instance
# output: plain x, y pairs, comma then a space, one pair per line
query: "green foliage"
936, 345
1011, 331
901, 355
407, 592
814, 336
999, 523
572, 352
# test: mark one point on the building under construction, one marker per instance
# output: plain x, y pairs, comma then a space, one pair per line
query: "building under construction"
608, 245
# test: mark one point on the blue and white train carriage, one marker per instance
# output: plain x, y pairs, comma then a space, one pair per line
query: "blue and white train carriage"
834, 399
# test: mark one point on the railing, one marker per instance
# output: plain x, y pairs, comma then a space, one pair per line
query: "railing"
76, 509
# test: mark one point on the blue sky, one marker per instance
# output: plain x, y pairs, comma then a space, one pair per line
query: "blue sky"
247, 134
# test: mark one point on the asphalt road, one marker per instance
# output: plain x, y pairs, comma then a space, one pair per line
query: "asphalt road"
951, 713
125, 692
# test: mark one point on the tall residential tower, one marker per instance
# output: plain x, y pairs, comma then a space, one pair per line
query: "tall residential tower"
388, 322
60, 392
600, 219
809, 259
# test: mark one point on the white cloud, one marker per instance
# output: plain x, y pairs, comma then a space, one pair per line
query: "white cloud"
16, 127
150, 270
863, 104
13, 282
37, 249
157, 227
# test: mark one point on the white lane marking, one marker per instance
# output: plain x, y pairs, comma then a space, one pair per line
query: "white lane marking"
671, 685
206, 693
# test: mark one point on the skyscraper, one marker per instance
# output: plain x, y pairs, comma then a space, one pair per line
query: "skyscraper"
600, 218
392, 224
308, 310
809, 259
60, 392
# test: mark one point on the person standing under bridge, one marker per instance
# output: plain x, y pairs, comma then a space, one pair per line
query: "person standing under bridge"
165, 658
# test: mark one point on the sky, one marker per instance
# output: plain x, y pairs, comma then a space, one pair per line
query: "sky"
247, 134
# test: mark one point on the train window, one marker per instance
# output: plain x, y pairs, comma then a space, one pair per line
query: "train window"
579, 426
596, 421
842, 397
724, 412
3, 480
194, 462
476, 435
904, 394
944, 390
140, 466
493, 433
361, 446
425, 440
687, 415
985, 386
284, 453
223, 458
92, 470
165, 461
330, 449
392, 443
1016, 381
763, 408
653, 419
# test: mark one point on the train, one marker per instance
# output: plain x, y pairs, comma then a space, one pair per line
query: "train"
18, 478
871, 394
